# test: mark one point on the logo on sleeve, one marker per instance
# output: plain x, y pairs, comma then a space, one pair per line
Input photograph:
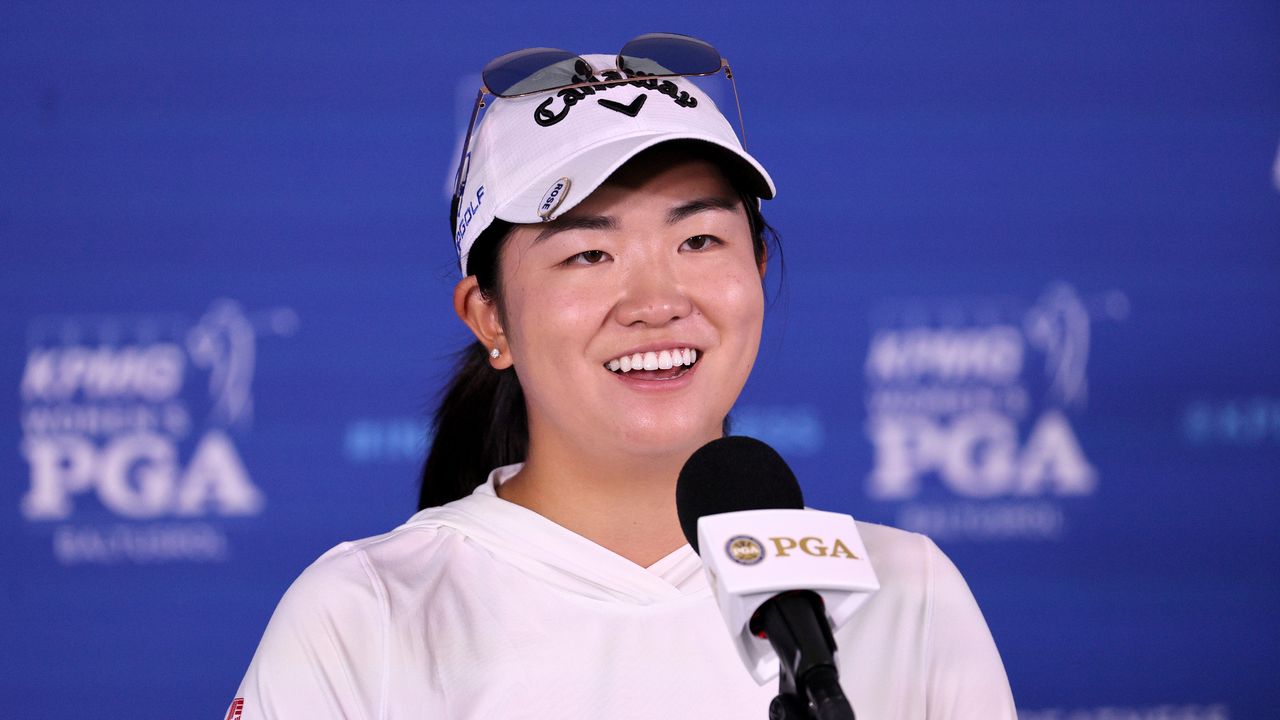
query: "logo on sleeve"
236, 710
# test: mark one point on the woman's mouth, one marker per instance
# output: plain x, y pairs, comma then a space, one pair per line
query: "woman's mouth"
659, 365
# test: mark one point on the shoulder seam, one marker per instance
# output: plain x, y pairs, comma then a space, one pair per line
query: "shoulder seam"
384, 619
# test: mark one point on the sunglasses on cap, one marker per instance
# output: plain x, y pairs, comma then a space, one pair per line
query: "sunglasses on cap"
539, 70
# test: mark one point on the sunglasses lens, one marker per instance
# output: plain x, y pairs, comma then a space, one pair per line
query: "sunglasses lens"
669, 54
531, 70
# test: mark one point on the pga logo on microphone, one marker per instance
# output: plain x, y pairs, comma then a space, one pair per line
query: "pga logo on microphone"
746, 550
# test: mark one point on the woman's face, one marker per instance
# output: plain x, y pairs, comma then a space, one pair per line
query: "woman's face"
659, 260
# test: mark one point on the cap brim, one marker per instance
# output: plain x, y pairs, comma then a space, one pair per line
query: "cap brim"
589, 168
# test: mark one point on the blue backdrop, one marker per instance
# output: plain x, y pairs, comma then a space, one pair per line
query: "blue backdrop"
1031, 307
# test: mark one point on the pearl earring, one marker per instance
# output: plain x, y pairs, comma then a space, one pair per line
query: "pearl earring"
494, 353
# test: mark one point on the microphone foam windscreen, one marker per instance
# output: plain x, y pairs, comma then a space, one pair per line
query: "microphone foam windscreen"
733, 474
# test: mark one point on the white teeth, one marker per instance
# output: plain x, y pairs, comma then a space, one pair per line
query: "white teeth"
661, 360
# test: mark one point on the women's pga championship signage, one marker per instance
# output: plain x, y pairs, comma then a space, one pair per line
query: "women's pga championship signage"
978, 395
131, 420
1033, 292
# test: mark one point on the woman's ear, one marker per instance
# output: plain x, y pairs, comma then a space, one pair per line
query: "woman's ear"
481, 315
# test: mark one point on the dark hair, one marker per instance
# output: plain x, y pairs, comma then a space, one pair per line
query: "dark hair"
481, 422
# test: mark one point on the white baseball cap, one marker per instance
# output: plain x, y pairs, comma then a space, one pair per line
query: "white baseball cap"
535, 157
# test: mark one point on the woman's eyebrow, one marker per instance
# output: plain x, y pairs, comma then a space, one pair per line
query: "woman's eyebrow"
605, 222
694, 207
584, 222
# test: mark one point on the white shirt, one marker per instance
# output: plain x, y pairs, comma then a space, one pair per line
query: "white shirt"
484, 609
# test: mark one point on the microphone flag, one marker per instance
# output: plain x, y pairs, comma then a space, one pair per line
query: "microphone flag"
750, 556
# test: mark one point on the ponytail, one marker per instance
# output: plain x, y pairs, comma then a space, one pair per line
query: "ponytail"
481, 422
480, 425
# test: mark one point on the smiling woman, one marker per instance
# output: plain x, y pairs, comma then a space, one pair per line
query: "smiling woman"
613, 252
659, 262
657, 236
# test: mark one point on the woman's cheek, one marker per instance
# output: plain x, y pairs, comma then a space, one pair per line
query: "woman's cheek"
742, 290
551, 315
578, 304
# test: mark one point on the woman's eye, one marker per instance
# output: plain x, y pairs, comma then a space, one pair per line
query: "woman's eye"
588, 257
700, 242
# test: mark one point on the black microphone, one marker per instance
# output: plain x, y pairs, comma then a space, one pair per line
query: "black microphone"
740, 475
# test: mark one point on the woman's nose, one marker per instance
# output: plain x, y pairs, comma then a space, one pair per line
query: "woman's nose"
653, 296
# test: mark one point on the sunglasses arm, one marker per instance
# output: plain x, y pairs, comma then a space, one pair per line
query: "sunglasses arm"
728, 72
466, 141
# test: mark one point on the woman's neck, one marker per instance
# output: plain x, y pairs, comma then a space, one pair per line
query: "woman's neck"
626, 505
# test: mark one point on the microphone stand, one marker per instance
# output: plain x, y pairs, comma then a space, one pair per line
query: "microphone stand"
809, 684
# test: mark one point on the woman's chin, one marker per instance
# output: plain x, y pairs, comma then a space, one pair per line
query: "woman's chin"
667, 439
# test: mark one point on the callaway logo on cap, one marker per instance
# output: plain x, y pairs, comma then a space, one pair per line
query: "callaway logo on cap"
537, 156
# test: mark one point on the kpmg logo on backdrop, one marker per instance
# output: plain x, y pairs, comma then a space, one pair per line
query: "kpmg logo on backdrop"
130, 425
970, 409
